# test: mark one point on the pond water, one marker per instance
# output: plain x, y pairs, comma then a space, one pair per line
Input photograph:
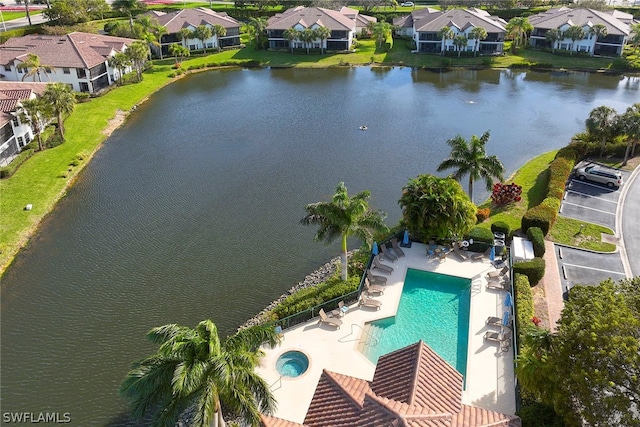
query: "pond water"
191, 210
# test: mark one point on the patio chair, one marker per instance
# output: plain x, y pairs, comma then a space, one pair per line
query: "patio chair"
498, 273
386, 253
396, 247
370, 302
501, 284
372, 289
442, 255
503, 338
503, 321
380, 266
461, 254
376, 280
340, 311
329, 320
478, 256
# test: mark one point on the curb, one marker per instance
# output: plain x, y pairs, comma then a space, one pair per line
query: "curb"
623, 252
562, 245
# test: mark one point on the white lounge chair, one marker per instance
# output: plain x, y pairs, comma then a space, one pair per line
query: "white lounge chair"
503, 338
501, 284
329, 320
372, 289
376, 280
340, 311
386, 253
396, 247
370, 302
377, 264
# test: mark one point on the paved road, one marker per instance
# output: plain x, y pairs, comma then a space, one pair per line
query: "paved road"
630, 222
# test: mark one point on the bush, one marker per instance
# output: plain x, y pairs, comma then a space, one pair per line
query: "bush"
559, 171
540, 415
11, 168
504, 194
483, 214
501, 227
524, 305
481, 234
537, 239
533, 269
539, 216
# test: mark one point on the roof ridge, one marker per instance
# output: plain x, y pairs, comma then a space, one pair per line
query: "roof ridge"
416, 373
425, 414
73, 44
333, 377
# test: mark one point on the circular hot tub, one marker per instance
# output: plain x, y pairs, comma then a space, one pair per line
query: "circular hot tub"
292, 364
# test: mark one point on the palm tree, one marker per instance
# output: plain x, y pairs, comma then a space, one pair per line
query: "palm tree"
178, 51
517, 29
62, 101
342, 217
553, 36
323, 34
599, 30
128, 7
184, 35
258, 30
635, 38
445, 34
291, 34
193, 368
202, 33
574, 33
460, 41
120, 61
602, 123
138, 52
26, 9
477, 34
35, 68
36, 113
630, 125
471, 158
219, 31
381, 32
308, 36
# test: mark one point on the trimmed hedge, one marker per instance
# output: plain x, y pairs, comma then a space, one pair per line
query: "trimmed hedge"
11, 168
525, 309
559, 169
539, 216
537, 239
501, 227
481, 234
533, 269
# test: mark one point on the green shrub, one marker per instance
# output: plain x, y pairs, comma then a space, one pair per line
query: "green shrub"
539, 216
11, 168
568, 153
525, 309
481, 234
537, 239
539, 415
559, 171
483, 214
501, 227
533, 269
523, 64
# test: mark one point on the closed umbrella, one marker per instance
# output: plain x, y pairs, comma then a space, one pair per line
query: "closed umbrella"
375, 250
405, 239
508, 301
492, 254
505, 318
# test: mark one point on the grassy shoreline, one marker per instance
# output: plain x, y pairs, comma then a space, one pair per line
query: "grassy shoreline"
45, 178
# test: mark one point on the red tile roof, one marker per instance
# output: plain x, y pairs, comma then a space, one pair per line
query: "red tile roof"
411, 387
183, 18
11, 93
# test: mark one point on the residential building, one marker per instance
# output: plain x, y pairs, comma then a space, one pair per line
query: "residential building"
412, 386
563, 18
423, 26
81, 60
191, 19
344, 25
14, 134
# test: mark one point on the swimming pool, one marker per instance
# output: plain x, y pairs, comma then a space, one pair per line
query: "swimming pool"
433, 308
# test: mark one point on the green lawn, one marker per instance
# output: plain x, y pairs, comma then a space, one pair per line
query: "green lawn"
580, 234
8, 16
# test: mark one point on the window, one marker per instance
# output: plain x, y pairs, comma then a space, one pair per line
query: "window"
27, 137
16, 122
84, 87
20, 142
7, 67
81, 72
66, 71
21, 70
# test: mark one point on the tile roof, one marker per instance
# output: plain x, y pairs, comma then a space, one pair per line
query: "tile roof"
432, 20
309, 16
74, 50
411, 387
184, 18
13, 92
556, 18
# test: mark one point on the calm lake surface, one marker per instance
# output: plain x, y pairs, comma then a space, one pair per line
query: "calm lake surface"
190, 210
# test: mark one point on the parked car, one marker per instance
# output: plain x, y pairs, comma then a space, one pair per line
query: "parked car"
601, 175
407, 4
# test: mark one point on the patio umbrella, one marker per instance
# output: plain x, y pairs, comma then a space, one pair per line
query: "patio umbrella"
375, 248
405, 239
492, 254
508, 302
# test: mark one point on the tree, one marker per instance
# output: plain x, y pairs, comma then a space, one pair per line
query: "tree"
193, 368
343, 217
26, 9
323, 34
138, 53
219, 31
178, 51
445, 34
477, 34
517, 29
601, 124
68, 12
34, 67
308, 36
434, 207
185, 34
36, 113
635, 37
258, 30
599, 30
97, 8
62, 101
291, 34
630, 125
120, 61
152, 32
128, 7
460, 42
553, 36
574, 33
470, 158
381, 31
202, 33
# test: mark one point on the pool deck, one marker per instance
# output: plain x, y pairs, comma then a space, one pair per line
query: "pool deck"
490, 376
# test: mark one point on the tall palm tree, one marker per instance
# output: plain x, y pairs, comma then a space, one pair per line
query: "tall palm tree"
630, 125
62, 101
219, 31
128, 7
342, 217
193, 368
460, 41
26, 9
120, 61
184, 35
635, 36
308, 36
599, 30
602, 124
202, 33
258, 30
323, 34
36, 113
574, 33
35, 68
470, 158
291, 34
138, 52
445, 33
381, 32
553, 36
178, 51
477, 34
517, 29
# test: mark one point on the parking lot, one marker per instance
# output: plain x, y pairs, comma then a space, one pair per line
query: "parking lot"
590, 202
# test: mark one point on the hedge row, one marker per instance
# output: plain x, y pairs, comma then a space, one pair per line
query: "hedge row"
533, 269
537, 239
501, 227
11, 168
524, 305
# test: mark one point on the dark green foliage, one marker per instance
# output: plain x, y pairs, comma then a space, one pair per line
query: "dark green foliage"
481, 234
559, 171
537, 239
533, 269
539, 216
11, 168
501, 227
567, 153
524, 305
536, 414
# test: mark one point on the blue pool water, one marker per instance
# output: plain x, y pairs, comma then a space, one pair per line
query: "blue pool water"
292, 364
433, 308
